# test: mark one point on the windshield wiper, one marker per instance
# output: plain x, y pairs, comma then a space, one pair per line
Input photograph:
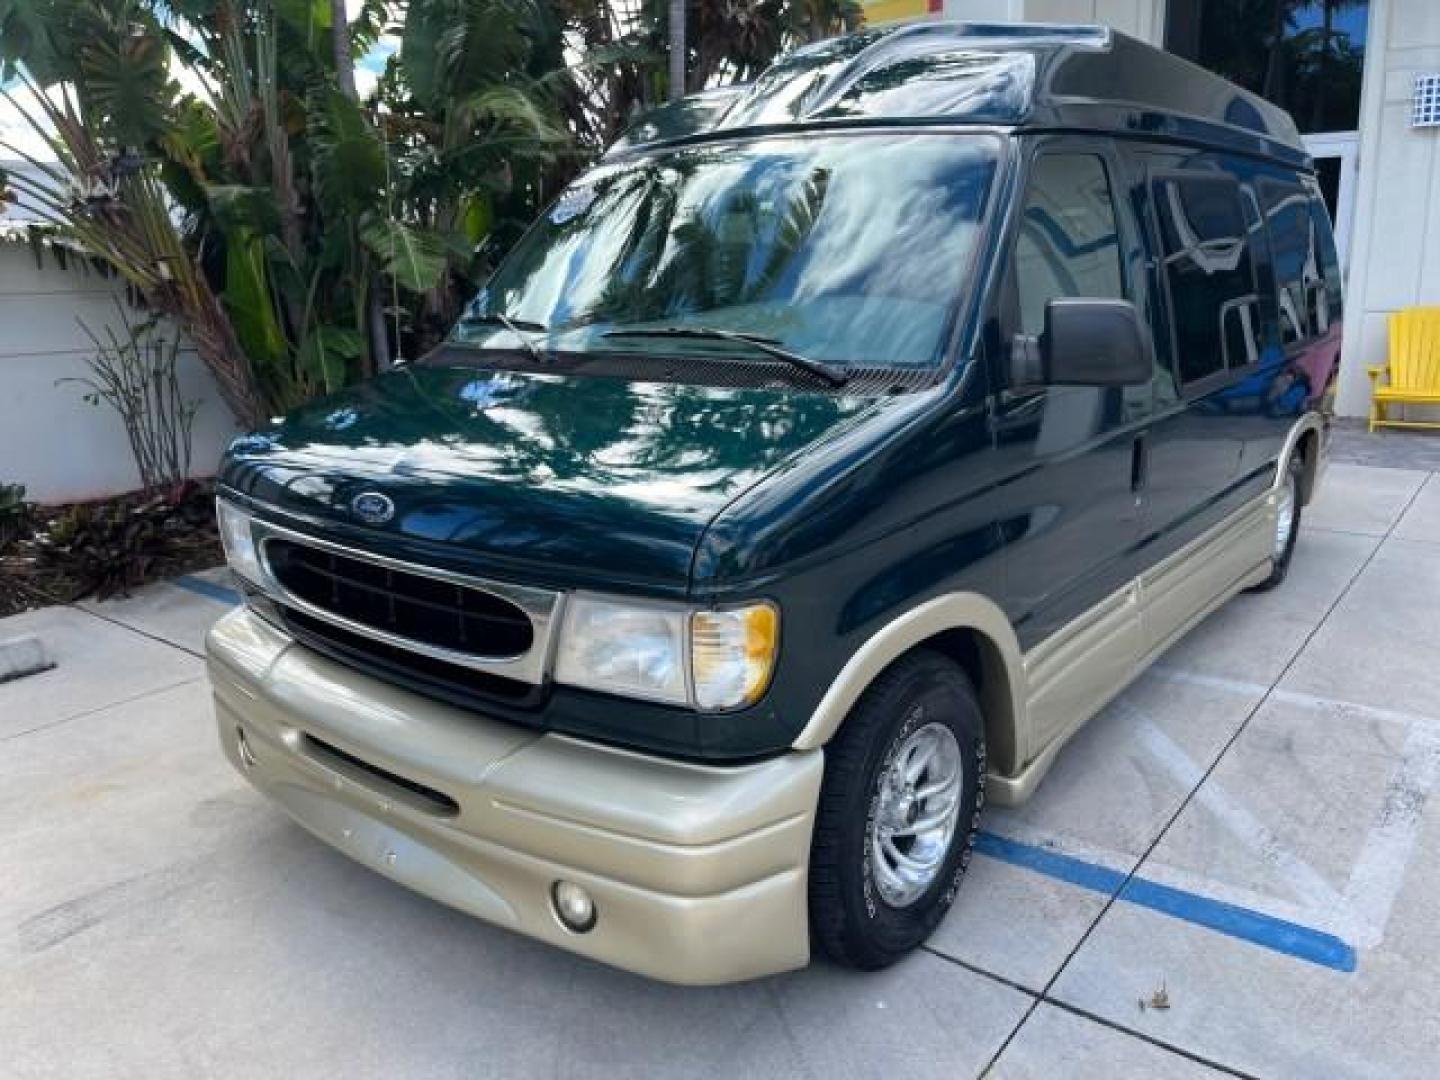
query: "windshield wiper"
515, 326
495, 318
830, 374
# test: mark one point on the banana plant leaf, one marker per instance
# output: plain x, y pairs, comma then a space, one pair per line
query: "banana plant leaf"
24, 38
348, 155
310, 19
128, 82
325, 355
247, 299
239, 208
413, 257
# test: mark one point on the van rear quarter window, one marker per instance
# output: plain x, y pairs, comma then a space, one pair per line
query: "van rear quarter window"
1291, 232
1325, 298
1209, 271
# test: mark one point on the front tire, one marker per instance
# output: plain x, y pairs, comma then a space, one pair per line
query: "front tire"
1287, 524
899, 807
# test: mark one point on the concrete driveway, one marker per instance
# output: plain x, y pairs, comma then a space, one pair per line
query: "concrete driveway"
1244, 837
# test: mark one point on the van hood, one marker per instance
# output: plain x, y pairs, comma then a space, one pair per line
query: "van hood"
564, 480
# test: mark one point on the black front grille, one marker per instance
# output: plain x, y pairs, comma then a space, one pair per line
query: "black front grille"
418, 608
455, 683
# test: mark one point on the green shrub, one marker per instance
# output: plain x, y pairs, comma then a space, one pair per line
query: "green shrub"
14, 514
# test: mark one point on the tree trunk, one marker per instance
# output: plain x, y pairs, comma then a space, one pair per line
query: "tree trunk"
1270, 88
1322, 82
677, 49
345, 79
340, 50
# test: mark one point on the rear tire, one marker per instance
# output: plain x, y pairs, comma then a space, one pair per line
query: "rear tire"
1285, 535
890, 848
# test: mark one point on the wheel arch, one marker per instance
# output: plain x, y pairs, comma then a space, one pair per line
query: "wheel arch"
968, 628
1305, 438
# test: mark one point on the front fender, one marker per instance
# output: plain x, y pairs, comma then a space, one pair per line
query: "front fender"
1003, 695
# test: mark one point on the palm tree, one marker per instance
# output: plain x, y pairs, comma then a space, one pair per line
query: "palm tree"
268, 215
275, 216
677, 49
728, 41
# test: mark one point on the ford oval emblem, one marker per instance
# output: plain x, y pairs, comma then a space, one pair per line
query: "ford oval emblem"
372, 507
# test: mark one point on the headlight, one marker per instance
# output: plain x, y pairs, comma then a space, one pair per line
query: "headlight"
661, 652
623, 648
238, 541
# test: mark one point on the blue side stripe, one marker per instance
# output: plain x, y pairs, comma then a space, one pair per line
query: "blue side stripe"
1278, 935
208, 589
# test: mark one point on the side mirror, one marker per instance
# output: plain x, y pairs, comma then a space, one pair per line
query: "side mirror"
1087, 342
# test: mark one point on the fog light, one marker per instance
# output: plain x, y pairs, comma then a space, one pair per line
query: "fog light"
573, 906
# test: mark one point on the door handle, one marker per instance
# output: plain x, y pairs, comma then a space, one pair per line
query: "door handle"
1139, 465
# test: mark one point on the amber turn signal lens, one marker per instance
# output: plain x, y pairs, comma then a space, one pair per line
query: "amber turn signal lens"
732, 654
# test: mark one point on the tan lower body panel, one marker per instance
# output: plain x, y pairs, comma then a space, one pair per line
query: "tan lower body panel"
1078, 670
698, 874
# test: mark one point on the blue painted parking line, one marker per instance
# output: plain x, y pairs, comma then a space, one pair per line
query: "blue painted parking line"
208, 589
1292, 939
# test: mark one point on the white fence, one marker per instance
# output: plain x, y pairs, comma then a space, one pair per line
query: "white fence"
59, 447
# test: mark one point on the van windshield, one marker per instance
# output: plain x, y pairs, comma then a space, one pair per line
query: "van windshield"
849, 250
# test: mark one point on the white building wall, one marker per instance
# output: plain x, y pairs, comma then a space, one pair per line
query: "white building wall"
983, 10
1395, 256
1138, 18
51, 441
1143, 19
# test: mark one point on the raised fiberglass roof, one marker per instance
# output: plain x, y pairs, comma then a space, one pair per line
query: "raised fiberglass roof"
1012, 74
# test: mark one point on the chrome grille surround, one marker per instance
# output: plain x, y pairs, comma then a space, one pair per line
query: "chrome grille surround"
541, 606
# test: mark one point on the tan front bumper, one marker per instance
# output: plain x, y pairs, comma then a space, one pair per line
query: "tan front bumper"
698, 873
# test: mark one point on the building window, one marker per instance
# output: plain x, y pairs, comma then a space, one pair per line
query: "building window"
1307, 56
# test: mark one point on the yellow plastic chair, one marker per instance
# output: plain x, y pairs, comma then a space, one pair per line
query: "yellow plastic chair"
1412, 373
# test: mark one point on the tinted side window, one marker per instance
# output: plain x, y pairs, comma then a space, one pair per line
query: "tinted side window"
1068, 243
1327, 301
1297, 269
1209, 271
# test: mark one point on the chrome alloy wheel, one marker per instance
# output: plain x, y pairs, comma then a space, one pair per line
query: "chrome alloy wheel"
915, 816
1285, 502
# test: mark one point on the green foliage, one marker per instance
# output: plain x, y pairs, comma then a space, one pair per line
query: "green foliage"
14, 513
127, 83
348, 155
24, 35
112, 547
108, 548
273, 215
327, 354
136, 374
249, 302
310, 20
416, 259
451, 45
734, 40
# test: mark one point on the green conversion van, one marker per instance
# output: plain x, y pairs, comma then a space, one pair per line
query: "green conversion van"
808, 474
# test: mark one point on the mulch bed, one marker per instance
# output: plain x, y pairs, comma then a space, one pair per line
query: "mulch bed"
107, 548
